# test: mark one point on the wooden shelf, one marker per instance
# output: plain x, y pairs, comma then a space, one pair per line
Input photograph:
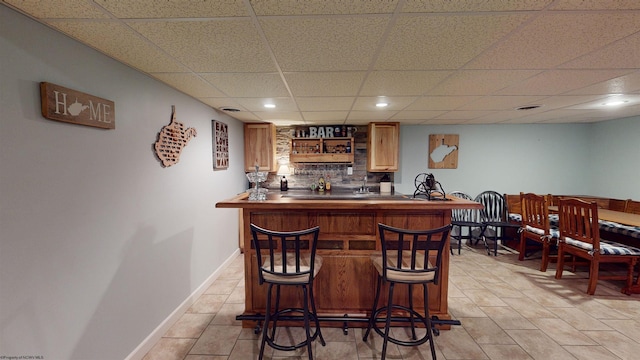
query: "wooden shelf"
322, 150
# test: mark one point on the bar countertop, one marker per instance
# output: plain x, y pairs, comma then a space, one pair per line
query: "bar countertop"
341, 199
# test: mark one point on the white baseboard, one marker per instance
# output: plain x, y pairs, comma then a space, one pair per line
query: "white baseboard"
141, 350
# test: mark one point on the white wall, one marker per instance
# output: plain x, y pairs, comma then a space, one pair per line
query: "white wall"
582, 159
99, 242
615, 152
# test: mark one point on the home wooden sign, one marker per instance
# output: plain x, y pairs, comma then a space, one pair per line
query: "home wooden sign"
62, 104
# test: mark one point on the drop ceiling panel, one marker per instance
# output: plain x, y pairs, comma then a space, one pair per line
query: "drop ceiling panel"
555, 38
257, 104
151, 9
496, 117
122, 44
501, 102
473, 5
401, 82
462, 115
323, 103
428, 42
623, 53
245, 116
324, 44
596, 5
440, 102
370, 115
480, 82
394, 103
325, 83
190, 84
560, 81
601, 104
325, 7
560, 115
278, 116
337, 117
564, 101
617, 85
222, 102
248, 84
59, 9
416, 115
210, 46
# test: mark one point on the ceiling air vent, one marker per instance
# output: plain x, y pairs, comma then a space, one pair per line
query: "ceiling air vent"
528, 107
229, 109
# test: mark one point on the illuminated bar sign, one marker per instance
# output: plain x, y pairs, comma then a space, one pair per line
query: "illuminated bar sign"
66, 105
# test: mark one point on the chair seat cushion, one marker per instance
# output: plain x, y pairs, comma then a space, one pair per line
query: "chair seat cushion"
415, 276
606, 247
303, 277
553, 231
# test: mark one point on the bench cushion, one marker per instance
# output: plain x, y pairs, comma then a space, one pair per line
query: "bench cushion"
606, 247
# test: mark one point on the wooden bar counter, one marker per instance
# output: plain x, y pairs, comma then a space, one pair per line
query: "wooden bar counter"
348, 236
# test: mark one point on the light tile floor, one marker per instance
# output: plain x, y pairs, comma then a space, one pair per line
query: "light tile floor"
508, 309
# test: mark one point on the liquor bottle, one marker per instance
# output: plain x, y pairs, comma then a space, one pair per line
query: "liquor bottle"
348, 147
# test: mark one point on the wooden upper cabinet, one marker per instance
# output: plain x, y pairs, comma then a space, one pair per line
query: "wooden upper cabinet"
383, 142
260, 147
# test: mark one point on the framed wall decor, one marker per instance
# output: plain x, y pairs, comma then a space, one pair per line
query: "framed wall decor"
220, 138
443, 151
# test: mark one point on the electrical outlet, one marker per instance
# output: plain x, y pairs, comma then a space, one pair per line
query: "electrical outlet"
349, 170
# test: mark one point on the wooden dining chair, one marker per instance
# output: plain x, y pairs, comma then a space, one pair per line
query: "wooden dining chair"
535, 226
633, 207
580, 236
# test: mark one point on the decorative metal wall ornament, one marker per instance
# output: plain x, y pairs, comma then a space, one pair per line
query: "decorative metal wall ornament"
172, 139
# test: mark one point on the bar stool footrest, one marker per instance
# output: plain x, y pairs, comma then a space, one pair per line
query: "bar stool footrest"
417, 318
284, 315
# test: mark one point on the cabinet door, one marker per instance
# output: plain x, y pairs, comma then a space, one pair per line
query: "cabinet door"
260, 146
383, 141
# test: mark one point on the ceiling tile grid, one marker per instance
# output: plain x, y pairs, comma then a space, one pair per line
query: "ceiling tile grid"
330, 61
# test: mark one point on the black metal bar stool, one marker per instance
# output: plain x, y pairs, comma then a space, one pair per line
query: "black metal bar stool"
288, 258
411, 257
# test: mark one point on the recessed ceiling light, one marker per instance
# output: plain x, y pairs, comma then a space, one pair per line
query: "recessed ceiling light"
615, 102
270, 106
382, 104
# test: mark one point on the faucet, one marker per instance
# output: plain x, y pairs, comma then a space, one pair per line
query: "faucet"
364, 188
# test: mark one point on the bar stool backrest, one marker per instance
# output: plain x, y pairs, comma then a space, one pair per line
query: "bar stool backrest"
412, 256
286, 257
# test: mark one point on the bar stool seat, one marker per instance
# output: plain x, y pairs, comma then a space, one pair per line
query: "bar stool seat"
288, 258
410, 257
